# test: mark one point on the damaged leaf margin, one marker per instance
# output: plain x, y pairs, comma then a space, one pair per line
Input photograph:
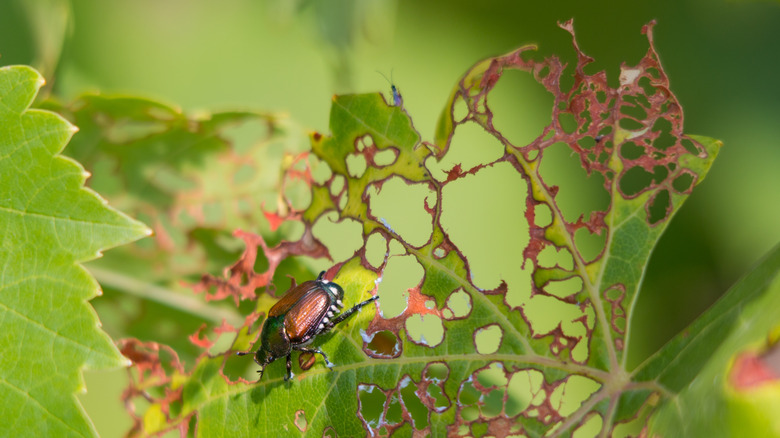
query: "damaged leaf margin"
630, 135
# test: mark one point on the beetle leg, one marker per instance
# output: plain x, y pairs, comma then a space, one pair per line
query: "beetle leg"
349, 312
328, 363
289, 368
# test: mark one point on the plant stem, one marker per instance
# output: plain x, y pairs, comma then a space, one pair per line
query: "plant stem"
165, 296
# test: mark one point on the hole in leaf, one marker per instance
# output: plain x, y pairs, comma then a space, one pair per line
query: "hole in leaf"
493, 403
590, 427
468, 395
489, 231
385, 157
337, 185
644, 82
631, 151
589, 245
542, 215
460, 110
413, 404
356, 165
660, 207
630, 124
634, 111
551, 257
564, 288
383, 344
394, 411
425, 329
521, 124
586, 142
401, 274
440, 400
400, 206
437, 372
569, 396
568, 122
342, 238
521, 389
690, 146
462, 151
660, 173
320, 171
364, 142
579, 193
634, 181
469, 413
372, 401
487, 340
459, 303
665, 139
492, 375
545, 313
376, 248
683, 183
298, 192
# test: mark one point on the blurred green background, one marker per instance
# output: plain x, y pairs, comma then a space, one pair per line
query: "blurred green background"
722, 58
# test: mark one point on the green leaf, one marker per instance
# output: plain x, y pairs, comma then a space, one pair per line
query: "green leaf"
698, 366
50, 224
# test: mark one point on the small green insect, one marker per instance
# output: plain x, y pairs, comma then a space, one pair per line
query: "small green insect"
304, 312
397, 99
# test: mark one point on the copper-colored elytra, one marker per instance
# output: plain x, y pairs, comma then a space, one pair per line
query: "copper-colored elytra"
311, 308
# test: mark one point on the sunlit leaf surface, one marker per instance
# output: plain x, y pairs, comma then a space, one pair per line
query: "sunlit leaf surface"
50, 224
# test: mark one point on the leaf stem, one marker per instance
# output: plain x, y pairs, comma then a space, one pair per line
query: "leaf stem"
165, 296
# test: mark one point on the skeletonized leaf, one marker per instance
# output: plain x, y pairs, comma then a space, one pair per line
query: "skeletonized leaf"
541, 356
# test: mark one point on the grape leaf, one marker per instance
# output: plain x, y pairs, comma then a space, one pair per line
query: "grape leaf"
705, 368
50, 223
544, 358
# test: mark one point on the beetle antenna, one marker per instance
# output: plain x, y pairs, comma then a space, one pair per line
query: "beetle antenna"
319, 277
244, 353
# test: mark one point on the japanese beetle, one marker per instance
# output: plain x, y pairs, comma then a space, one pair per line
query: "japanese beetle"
305, 311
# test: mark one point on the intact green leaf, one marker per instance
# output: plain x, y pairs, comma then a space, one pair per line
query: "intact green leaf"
50, 224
